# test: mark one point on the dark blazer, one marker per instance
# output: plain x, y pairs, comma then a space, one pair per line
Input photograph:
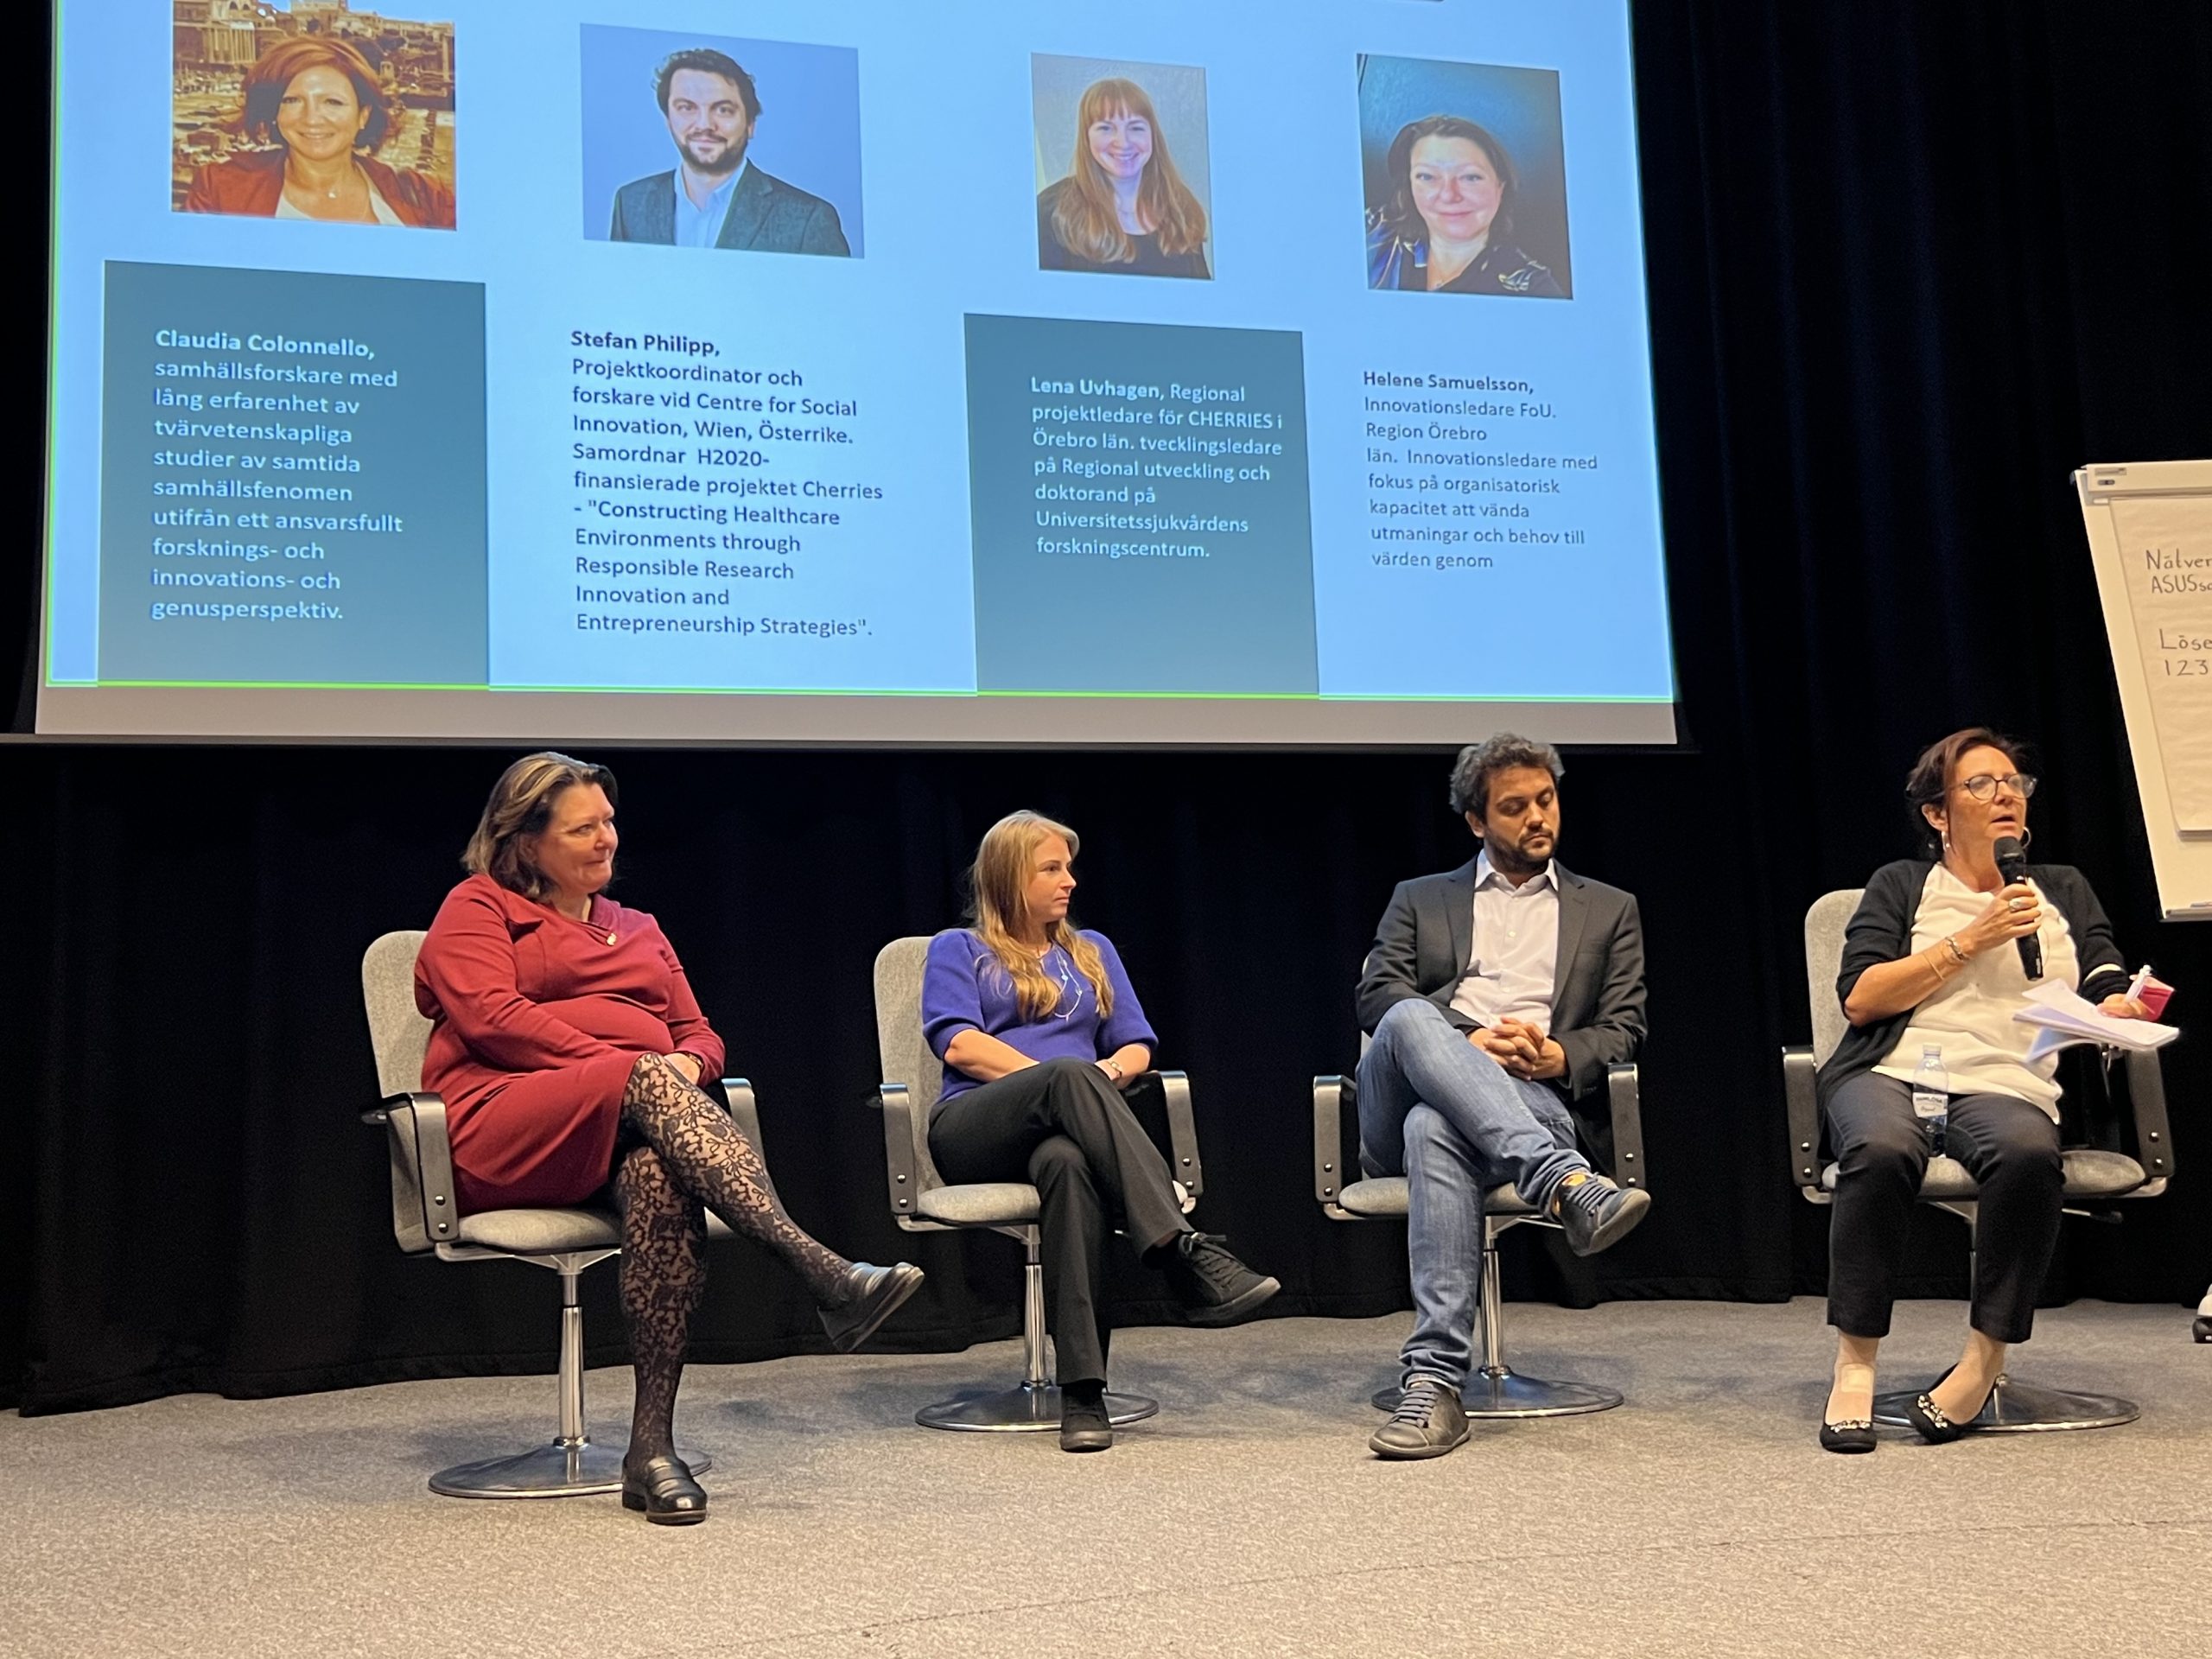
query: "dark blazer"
1427, 936
1880, 930
765, 215
252, 183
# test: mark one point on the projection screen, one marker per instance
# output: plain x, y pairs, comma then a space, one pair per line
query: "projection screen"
1266, 371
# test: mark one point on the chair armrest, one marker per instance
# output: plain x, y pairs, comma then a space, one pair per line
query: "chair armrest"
901, 1152
1173, 1089
424, 1211
1623, 1095
1804, 1109
2147, 1100
745, 1112
1331, 1097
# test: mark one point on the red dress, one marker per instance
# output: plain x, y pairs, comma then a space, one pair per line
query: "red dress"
538, 1018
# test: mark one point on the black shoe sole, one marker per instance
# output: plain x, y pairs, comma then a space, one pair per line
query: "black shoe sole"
1846, 1439
662, 1517
1411, 1454
1238, 1308
1624, 1223
1088, 1440
889, 1296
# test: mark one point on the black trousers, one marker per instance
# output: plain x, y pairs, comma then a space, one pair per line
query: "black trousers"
1065, 1129
2011, 1150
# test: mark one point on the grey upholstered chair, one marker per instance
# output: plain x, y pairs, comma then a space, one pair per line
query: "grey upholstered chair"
2094, 1175
424, 1218
1494, 1389
921, 1201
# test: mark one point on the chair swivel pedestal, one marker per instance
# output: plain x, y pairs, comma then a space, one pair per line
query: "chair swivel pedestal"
1033, 1403
2015, 1408
572, 1467
1494, 1388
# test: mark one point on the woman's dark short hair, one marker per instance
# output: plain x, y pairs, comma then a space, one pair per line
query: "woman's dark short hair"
285, 62
520, 807
1929, 780
707, 62
1472, 771
1400, 213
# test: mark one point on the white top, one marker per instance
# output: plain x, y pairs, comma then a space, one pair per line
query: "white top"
1514, 956
377, 206
1969, 1015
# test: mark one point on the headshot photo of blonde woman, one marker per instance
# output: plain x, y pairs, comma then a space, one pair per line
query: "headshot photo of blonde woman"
1123, 173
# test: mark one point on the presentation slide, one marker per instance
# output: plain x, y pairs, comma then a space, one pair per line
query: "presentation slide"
1269, 372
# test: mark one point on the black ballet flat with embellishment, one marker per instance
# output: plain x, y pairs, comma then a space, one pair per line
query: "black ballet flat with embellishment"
1851, 1434
1933, 1424
663, 1489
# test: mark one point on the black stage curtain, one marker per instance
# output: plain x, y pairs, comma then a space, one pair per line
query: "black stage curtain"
1911, 264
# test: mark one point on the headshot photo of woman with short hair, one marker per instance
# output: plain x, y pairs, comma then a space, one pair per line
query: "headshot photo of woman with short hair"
1450, 209
1119, 204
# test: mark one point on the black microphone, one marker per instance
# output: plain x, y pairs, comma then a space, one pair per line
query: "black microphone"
2012, 865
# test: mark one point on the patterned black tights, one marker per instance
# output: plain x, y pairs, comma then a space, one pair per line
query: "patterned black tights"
712, 1163
692, 1156
664, 1270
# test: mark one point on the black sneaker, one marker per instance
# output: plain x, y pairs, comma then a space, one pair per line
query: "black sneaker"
1595, 1214
1214, 1285
1084, 1426
1427, 1423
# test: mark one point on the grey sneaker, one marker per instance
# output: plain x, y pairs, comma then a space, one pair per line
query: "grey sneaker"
1427, 1423
1596, 1214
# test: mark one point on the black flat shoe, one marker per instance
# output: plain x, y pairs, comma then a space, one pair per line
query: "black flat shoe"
663, 1489
877, 1293
1932, 1425
1084, 1426
1851, 1434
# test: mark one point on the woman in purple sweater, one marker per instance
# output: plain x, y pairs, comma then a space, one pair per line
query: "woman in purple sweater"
1039, 1032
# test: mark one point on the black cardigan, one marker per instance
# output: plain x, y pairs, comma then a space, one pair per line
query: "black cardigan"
1881, 931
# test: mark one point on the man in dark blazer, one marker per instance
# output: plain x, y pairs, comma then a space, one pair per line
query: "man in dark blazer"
714, 198
1495, 995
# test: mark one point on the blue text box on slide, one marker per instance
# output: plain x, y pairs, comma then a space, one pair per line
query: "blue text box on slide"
1140, 518
292, 479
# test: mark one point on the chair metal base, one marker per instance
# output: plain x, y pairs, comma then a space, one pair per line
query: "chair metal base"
2023, 1408
1500, 1392
1026, 1408
574, 1469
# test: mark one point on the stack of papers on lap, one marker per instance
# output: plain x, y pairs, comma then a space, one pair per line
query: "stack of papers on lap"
2066, 1019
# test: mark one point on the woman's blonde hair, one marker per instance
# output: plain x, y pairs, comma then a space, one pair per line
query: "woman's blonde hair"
521, 806
1083, 215
1000, 882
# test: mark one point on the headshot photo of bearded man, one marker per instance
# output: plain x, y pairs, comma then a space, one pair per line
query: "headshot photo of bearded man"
716, 196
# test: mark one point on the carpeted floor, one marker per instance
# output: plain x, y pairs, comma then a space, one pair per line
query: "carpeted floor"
1247, 1518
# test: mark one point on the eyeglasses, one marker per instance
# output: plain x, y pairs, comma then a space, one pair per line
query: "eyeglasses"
1983, 788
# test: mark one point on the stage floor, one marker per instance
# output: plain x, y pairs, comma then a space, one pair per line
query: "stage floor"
1247, 1518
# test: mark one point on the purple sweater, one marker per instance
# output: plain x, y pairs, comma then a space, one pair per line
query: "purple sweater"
965, 989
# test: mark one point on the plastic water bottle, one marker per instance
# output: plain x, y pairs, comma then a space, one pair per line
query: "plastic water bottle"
1931, 1096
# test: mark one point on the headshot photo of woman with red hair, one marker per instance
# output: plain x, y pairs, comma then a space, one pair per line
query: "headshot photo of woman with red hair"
1117, 202
313, 121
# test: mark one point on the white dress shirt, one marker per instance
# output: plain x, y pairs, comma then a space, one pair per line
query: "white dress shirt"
1513, 960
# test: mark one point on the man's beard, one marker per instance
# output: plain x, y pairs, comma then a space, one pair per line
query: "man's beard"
732, 158
1518, 864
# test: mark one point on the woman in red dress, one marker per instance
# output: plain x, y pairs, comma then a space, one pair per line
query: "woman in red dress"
569, 1049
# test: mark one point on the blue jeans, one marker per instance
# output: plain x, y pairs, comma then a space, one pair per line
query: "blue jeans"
1435, 1108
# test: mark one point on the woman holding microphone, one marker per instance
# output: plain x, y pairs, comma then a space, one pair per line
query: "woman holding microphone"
1932, 959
